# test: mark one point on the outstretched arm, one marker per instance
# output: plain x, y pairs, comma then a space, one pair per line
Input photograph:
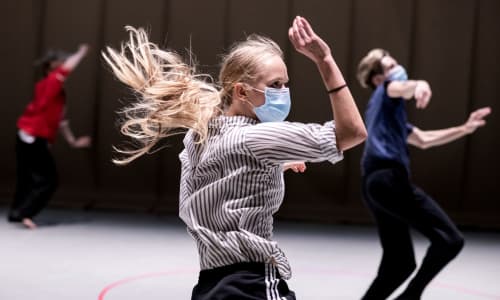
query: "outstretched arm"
429, 138
56, 77
81, 142
349, 126
409, 89
74, 59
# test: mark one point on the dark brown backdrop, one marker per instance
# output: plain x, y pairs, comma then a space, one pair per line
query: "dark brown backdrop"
454, 44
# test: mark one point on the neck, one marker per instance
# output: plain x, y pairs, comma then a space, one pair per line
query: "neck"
231, 111
234, 110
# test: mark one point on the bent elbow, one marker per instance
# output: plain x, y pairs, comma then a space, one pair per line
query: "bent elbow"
362, 134
359, 136
356, 137
422, 144
425, 146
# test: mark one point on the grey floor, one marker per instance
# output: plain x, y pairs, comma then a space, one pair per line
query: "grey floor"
100, 255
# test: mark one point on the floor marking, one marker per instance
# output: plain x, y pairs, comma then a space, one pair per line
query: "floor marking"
331, 272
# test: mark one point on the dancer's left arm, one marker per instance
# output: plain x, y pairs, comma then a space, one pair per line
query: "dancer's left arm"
80, 142
424, 139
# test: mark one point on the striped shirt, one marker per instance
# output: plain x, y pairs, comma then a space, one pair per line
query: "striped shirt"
232, 184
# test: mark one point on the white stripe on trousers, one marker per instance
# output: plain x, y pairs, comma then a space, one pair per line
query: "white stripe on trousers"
272, 283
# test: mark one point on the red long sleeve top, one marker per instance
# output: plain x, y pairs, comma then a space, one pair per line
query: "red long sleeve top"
43, 115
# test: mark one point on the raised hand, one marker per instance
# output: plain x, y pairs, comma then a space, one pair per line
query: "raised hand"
476, 119
83, 48
306, 41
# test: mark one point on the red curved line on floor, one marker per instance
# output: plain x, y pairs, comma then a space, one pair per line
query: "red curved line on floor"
312, 270
123, 281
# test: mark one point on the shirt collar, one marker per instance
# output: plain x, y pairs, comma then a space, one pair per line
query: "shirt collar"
222, 120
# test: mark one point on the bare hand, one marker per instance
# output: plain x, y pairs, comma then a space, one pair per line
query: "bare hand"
83, 48
82, 142
306, 41
423, 94
296, 166
476, 119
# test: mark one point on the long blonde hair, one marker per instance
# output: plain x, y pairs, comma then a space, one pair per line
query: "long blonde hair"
171, 96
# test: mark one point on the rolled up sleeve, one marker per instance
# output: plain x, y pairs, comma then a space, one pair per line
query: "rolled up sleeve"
280, 142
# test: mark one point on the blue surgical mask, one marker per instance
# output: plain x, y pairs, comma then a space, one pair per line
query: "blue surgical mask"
398, 73
276, 107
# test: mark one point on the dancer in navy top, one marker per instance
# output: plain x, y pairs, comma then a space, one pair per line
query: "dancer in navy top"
394, 201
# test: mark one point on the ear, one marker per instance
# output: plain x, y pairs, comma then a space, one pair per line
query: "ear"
239, 91
378, 79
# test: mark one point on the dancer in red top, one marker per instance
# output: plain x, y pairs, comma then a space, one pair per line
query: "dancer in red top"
37, 130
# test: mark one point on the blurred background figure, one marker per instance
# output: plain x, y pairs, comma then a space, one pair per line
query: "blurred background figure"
37, 129
394, 201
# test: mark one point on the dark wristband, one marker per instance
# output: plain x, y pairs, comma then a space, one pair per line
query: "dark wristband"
334, 90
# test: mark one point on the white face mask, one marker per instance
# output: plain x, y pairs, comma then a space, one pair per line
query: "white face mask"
277, 105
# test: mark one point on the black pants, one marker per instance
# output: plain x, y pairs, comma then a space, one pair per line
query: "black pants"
242, 281
36, 179
396, 205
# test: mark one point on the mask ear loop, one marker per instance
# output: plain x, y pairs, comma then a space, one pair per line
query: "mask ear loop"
251, 104
246, 100
255, 89
260, 91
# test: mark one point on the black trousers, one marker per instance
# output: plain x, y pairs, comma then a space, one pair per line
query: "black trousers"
396, 205
36, 179
242, 281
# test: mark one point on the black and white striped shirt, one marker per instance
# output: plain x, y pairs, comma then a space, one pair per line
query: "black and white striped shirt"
232, 184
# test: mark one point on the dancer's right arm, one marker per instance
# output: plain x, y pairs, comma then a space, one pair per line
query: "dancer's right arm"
409, 89
74, 59
349, 126
55, 79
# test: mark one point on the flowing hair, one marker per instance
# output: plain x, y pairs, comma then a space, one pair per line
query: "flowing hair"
171, 97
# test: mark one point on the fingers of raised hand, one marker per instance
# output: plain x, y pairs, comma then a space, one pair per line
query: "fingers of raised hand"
300, 32
482, 112
296, 33
291, 36
303, 33
307, 27
295, 40
481, 123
